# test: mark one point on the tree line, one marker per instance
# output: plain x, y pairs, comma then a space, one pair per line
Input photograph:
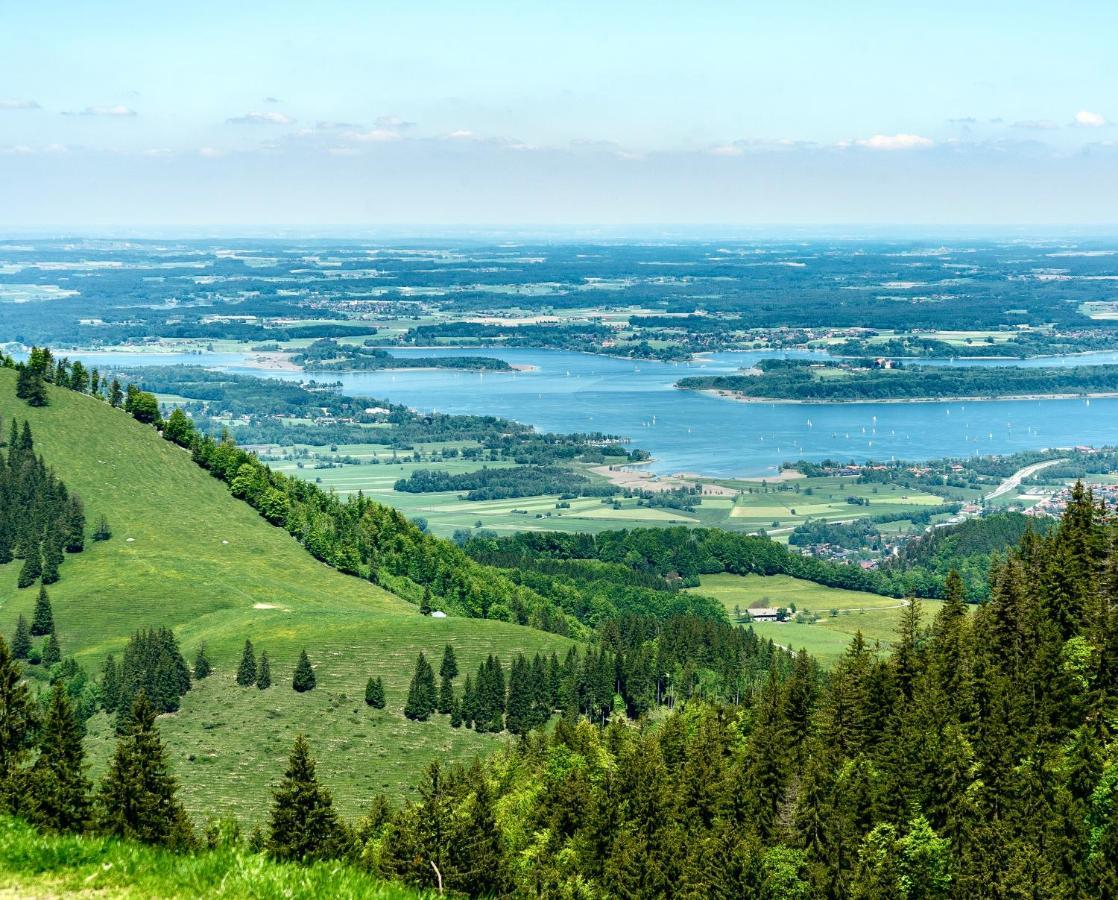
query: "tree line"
41, 520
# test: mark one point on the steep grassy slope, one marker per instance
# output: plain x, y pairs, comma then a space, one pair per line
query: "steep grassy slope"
206, 564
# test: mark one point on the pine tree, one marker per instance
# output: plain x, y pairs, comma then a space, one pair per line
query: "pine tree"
21, 640
374, 693
102, 532
42, 621
52, 559
264, 672
58, 789
304, 825
446, 700
110, 685
422, 697
202, 666
17, 720
116, 395
519, 717
52, 652
449, 666
304, 679
246, 672
136, 799
425, 603
32, 567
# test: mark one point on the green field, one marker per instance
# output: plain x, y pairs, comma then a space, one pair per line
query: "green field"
877, 617
45, 866
185, 553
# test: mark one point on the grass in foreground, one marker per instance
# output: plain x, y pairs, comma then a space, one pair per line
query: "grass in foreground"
37, 865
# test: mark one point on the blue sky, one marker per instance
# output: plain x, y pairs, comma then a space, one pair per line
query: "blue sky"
122, 113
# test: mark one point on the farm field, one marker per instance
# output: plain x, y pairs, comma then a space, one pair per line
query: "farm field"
877, 617
186, 554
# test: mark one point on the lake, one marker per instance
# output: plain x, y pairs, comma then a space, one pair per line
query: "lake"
691, 432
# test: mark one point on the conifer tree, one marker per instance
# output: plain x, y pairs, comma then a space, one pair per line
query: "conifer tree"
374, 693
58, 789
422, 697
52, 652
32, 567
246, 672
17, 720
42, 621
264, 672
21, 640
304, 825
519, 717
425, 603
110, 685
116, 395
52, 558
74, 525
202, 666
304, 679
136, 799
449, 666
102, 532
448, 671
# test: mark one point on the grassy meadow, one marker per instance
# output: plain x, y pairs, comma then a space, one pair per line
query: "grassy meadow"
45, 866
842, 613
186, 554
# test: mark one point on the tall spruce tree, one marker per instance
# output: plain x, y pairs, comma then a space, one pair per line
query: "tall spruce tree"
264, 672
202, 666
52, 651
448, 671
136, 799
110, 685
21, 640
42, 620
374, 693
422, 696
32, 567
303, 680
304, 825
519, 717
246, 671
17, 722
58, 789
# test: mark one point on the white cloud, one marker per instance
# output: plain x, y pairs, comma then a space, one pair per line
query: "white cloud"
1036, 124
1089, 119
261, 118
895, 142
727, 150
462, 134
396, 123
115, 111
375, 136
210, 152
19, 104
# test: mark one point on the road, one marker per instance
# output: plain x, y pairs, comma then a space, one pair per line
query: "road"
1017, 477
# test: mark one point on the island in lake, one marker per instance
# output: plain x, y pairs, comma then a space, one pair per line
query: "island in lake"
807, 381
329, 356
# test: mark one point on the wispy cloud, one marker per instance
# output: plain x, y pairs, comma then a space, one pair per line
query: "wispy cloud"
1088, 119
271, 100
114, 111
374, 136
261, 118
19, 104
396, 123
895, 142
210, 152
1036, 124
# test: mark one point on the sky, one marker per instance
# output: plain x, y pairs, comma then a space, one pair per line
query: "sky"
128, 114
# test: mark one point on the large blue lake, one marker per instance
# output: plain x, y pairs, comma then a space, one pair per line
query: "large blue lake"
692, 432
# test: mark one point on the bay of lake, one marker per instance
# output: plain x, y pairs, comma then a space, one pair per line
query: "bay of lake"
691, 432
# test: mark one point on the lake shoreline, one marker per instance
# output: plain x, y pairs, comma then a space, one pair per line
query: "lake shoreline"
832, 401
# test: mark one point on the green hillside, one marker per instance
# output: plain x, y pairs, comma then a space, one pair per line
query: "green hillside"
185, 553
